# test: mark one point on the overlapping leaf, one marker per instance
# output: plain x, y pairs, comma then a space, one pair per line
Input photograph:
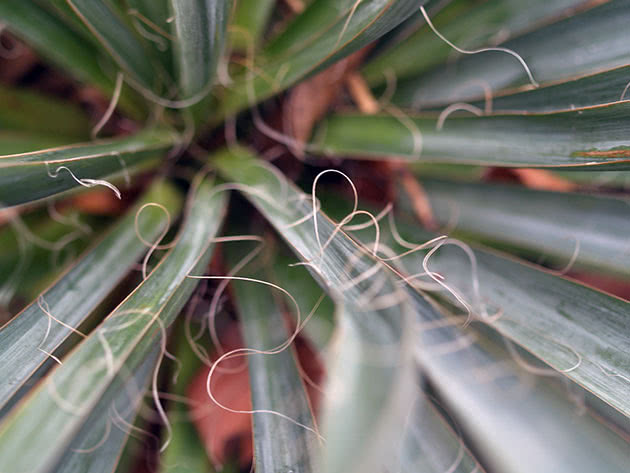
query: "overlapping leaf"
29, 339
370, 362
95, 370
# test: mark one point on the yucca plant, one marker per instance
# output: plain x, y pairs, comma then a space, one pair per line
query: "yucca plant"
190, 188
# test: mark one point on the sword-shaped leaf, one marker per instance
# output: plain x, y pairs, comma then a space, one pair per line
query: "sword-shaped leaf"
577, 139
28, 340
95, 370
371, 380
31, 176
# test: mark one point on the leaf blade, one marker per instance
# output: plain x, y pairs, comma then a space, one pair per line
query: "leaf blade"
72, 385
35, 175
76, 294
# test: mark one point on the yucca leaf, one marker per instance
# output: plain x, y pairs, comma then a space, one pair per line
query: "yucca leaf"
558, 226
591, 41
54, 40
14, 142
517, 422
276, 384
30, 111
586, 91
577, 139
104, 20
370, 378
186, 452
27, 341
467, 172
563, 323
249, 23
31, 176
325, 32
151, 17
468, 24
492, 401
307, 293
35, 248
99, 447
431, 445
568, 326
94, 371
200, 28
63, 46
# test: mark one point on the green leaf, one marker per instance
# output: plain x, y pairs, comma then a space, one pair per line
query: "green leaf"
371, 379
250, 20
468, 24
14, 142
151, 18
25, 110
200, 29
31, 176
569, 326
498, 404
27, 341
63, 46
105, 21
35, 248
307, 293
592, 41
186, 452
99, 446
431, 445
94, 371
54, 40
583, 92
325, 32
276, 384
577, 139
589, 229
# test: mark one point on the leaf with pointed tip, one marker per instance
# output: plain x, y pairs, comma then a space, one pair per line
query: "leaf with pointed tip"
325, 32
26, 341
200, 29
96, 369
594, 40
577, 139
31, 176
276, 384
371, 380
